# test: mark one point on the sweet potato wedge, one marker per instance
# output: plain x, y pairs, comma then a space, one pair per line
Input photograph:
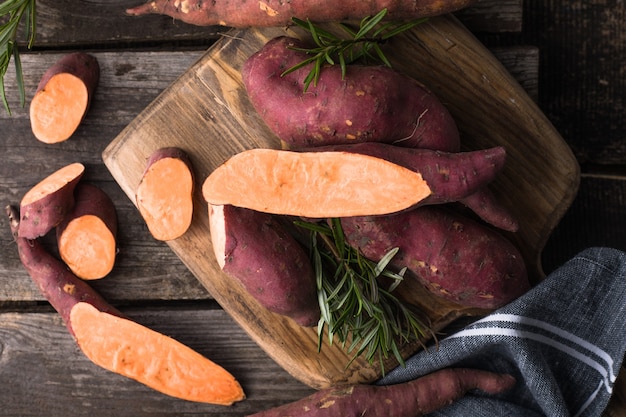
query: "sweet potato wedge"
86, 238
244, 14
164, 195
366, 104
453, 256
63, 97
254, 249
117, 343
45, 205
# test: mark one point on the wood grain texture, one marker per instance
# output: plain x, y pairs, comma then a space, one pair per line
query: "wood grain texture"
206, 112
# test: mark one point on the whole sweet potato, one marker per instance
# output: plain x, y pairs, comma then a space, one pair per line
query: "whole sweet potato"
453, 256
254, 248
369, 104
242, 13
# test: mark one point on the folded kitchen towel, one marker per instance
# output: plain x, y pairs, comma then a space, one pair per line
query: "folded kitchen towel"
564, 341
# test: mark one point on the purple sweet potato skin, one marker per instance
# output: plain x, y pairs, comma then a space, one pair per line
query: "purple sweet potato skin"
450, 176
56, 282
370, 104
410, 399
270, 264
453, 256
80, 64
91, 200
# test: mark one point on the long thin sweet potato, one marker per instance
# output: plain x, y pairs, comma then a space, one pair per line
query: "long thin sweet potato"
63, 97
86, 237
243, 14
46, 204
118, 344
314, 184
366, 104
254, 248
453, 256
164, 195
410, 399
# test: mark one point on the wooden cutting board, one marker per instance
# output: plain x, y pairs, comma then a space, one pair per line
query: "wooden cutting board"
207, 113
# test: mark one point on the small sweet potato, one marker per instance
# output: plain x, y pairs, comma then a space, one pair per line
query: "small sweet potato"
244, 14
63, 97
86, 237
45, 205
164, 195
453, 256
368, 104
409, 399
255, 249
118, 344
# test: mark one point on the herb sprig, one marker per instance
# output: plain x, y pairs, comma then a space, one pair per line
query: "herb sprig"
12, 13
366, 318
363, 42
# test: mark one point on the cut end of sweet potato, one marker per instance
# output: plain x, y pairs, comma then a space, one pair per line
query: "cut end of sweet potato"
45, 205
57, 109
314, 184
88, 247
158, 361
165, 197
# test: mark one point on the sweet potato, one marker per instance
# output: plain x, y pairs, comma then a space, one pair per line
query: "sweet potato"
117, 343
313, 184
339, 182
453, 256
368, 104
86, 237
254, 248
45, 205
243, 14
410, 399
63, 97
164, 195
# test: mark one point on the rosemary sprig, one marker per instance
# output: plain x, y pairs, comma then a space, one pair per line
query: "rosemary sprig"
365, 318
12, 12
364, 42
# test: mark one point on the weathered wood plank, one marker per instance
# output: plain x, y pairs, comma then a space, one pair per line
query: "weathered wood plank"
67, 22
42, 371
129, 82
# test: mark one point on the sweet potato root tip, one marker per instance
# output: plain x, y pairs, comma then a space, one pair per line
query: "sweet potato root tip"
244, 14
164, 195
410, 399
160, 362
56, 282
63, 97
255, 249
314, 184
87, 236
46, 204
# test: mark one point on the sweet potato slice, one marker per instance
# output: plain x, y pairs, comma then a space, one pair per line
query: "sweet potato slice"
46, 204
158, 361
257, 251
63, 97
86, 237
116, 343
314, 184
165, 193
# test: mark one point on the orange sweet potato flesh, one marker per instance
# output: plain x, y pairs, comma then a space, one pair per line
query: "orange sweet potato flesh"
164, 195
410, 399
158, 361
63, 97
314, 184
118, 344
86, 236
46, 204
243, 14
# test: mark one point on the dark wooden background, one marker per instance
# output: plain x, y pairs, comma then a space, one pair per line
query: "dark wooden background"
569, 55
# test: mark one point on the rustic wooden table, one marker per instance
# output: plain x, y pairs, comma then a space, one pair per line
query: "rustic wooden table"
566, 54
